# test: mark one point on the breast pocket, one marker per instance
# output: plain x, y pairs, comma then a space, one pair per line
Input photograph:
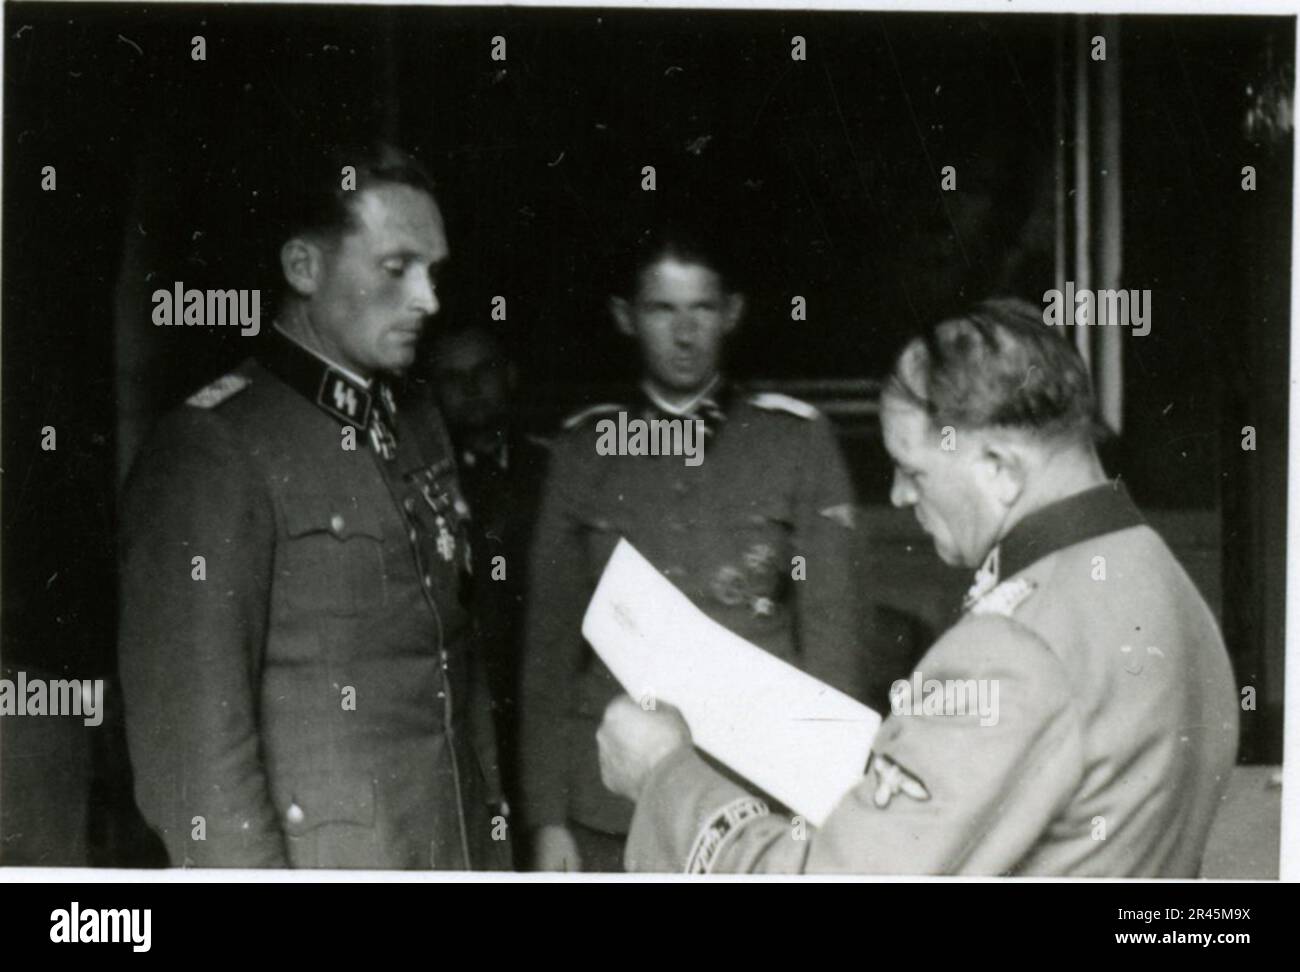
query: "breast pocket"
333, 556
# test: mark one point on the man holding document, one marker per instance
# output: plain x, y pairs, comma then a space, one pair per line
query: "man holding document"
1115, 724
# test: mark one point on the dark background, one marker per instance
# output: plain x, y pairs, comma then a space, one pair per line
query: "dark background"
827, 169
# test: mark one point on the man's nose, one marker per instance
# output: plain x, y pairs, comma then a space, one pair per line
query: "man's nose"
901, 493
685, 328
424, 298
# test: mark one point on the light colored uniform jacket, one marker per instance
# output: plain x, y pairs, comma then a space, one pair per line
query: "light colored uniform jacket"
1115, 735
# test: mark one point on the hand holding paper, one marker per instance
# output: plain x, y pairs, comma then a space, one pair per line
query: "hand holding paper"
633, 741
796, 738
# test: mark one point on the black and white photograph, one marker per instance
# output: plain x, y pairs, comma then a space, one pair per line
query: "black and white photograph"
568, 443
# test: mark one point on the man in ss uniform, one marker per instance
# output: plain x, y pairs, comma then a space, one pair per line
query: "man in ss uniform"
307, 694
1117, 725
758, 534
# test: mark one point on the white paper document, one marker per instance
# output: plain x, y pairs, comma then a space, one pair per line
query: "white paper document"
797, 738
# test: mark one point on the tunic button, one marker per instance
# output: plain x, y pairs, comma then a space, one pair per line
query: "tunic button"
428, 581
294, 814
413, 535
409, 505
336, 523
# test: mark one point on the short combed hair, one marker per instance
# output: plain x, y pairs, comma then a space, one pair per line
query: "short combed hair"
681, 240
315, 200
998, 365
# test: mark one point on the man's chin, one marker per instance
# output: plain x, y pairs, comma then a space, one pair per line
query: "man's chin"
952, 558
398, 360
688, 384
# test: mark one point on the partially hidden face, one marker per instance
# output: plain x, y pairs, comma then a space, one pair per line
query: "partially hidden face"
951, 491
473, 381
377, 282
680, 317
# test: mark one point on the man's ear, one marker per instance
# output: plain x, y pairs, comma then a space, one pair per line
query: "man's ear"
1008, 467
621, 311
733, 312
303, 263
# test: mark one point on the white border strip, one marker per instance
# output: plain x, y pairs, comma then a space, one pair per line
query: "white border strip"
1289, 847
1276, 8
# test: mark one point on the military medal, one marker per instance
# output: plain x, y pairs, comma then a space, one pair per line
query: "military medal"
446, 541
445, 504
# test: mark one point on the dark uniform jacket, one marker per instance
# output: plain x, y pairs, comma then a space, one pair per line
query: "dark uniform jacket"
1114, 737
772, 487
503, 489
313, 700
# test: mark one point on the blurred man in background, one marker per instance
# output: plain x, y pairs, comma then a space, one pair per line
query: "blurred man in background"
501, 469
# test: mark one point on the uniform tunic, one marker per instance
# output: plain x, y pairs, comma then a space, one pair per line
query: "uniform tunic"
1115, 734
769, 503
313, 700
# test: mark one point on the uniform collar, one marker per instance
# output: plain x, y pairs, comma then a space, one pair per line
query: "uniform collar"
710, 405
336, 390
326, 361
1103, 509
689, 408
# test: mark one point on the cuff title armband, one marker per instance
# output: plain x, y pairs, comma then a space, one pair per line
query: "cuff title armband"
711, 839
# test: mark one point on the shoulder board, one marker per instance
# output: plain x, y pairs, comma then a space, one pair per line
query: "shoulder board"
1005, 598
214, 394
776, 402
578, 418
